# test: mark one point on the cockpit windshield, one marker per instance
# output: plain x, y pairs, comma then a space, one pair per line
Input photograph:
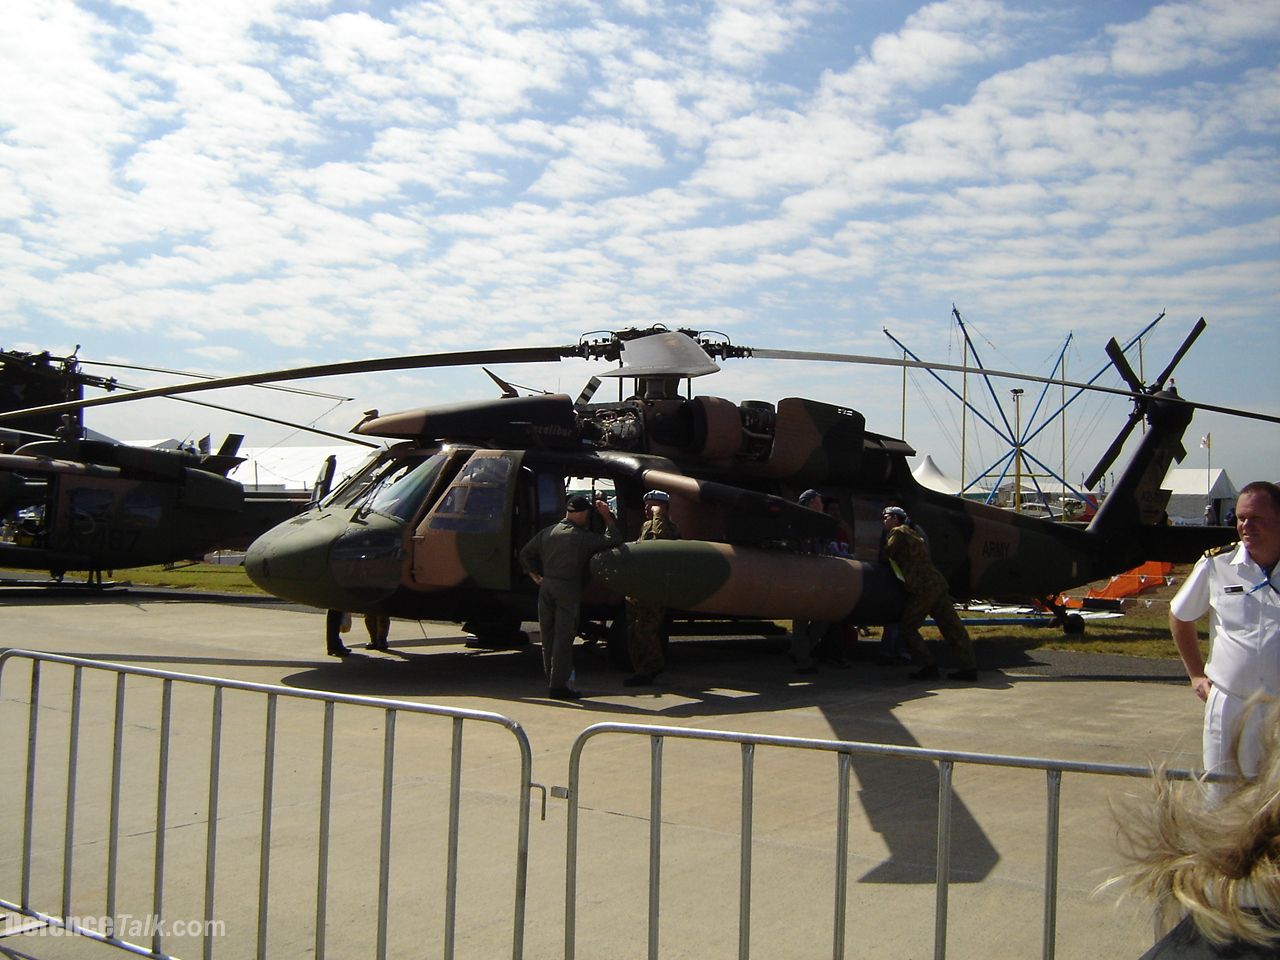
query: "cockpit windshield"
399, 492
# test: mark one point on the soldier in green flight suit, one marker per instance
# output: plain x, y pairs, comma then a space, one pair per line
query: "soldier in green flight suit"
644, 620
557, 559
926, 596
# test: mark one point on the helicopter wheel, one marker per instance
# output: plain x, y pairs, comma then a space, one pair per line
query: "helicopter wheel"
1073, 625
495, 634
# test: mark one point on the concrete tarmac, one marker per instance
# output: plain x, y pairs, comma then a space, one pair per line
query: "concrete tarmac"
1059, 706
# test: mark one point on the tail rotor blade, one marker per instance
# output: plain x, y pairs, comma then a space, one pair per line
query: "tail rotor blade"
1113, 451
1186, 345
1121, 363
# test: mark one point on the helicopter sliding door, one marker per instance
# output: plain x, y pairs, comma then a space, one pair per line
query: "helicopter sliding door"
465, 539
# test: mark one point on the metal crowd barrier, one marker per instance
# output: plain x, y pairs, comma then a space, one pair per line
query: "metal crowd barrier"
844, 751
36, 802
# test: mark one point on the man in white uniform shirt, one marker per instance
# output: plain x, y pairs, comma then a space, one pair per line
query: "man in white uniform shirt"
1239, 587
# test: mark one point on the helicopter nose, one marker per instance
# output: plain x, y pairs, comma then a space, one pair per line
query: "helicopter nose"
326, 561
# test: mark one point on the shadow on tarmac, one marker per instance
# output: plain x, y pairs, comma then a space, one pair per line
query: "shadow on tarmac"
717, 678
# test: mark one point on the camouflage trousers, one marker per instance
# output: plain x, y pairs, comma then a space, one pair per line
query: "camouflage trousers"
936, 604
644, 636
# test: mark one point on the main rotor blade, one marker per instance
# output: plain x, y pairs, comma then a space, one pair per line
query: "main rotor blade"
769, 354
259, 416
283, 423
206, 376
1182, 350
416, 362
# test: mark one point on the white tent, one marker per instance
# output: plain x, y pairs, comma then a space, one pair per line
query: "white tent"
929, 475
1192, 487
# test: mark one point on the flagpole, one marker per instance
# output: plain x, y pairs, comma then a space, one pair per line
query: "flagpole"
1207, 442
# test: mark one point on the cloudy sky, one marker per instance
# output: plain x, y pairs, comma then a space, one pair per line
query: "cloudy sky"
258, 184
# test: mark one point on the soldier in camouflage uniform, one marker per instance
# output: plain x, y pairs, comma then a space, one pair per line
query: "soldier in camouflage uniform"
644, 620
557, 559
926, 596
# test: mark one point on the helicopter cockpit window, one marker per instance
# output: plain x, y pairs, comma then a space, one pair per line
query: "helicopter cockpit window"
477, 500
399, 492
348, 491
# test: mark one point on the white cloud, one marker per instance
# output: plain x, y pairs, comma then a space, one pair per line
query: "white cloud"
1177, 36
429, 173
742, 33
598, 154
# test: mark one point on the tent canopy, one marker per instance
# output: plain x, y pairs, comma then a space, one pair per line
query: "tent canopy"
928, 474
1212, 483
1190, 488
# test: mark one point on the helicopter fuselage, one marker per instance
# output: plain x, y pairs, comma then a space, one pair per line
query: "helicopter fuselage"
430, 529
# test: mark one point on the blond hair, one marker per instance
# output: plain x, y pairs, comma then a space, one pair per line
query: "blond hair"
1218, 863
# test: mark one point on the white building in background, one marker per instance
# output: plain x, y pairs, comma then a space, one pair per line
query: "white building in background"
1193, 487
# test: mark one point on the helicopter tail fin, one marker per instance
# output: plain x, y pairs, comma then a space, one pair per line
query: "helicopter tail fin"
1138, 500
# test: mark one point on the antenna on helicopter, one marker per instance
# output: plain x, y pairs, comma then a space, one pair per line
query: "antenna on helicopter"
508, 390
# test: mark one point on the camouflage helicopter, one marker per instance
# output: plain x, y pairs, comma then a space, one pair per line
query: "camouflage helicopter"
430, 526
68, 502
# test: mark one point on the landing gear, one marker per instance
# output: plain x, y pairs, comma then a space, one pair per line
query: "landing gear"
495, 635
1072, 623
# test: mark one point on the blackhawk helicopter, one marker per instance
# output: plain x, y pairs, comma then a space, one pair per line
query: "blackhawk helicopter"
429, 527
69, 502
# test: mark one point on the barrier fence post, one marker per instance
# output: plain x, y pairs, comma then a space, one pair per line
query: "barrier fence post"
451, 865
1053, 813
744, 858
322, 846
29, 801
117, 758
73, 753
384, 844
162, 810
843, 763
268, 792
211, 832
945, 770
655, 841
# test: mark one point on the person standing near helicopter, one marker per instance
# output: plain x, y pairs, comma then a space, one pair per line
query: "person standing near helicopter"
557, 558
644, 620
1239, 587
926, 595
